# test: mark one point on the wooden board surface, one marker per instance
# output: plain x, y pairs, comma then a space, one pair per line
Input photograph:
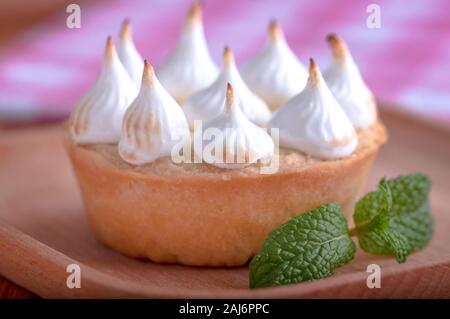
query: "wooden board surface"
43, 229
9, 290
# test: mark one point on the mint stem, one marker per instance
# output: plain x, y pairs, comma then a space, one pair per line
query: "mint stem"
358, 230
353, 232
362, 228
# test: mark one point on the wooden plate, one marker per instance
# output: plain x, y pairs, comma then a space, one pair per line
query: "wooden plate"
43, 229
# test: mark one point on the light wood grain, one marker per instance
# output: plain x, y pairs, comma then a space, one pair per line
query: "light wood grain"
43, 229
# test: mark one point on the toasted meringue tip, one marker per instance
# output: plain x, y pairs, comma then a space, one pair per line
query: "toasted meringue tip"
125, 31
337, 45
149, 73
230, 97
274, 30
110, 48
195, 12
333, 39
228, 56
313, 72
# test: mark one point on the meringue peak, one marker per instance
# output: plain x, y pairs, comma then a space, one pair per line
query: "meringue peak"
313, 122
148, 76
229, 98
125, 30
347, 85
128, 54
228, 57
239, 142
275, 31
275, 73
110, 49
153, 124
338, 47
189, 68
97, 117
314, 73
195, 12
209, 102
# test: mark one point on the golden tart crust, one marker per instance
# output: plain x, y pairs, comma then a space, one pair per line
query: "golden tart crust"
198, 214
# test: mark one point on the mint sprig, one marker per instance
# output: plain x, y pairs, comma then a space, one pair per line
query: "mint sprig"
406, 225
393, 220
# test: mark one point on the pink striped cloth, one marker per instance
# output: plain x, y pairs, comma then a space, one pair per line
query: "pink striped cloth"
45, 70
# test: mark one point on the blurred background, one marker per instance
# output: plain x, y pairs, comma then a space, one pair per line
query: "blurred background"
45, 66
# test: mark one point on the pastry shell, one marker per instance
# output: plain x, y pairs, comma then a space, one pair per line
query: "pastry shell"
197, 214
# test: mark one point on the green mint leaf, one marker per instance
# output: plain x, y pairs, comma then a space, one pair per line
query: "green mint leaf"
378, 232
395, 219
397, 243
386, 203
417, 226
307, 247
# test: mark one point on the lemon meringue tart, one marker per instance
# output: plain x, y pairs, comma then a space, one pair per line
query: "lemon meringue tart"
146, 198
